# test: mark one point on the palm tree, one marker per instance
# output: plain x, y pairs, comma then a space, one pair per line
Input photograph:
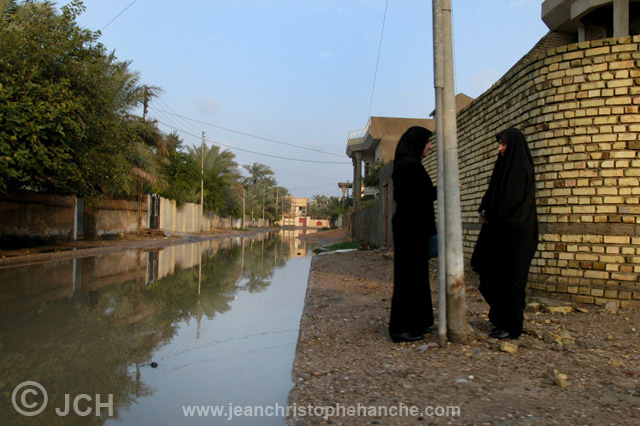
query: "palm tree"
259, 173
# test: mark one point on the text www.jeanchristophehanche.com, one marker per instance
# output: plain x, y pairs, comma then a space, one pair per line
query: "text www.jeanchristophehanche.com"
360, 410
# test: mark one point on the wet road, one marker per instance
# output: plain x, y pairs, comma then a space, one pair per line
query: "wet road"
220, 318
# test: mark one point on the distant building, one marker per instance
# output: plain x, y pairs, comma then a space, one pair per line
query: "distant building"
298, 215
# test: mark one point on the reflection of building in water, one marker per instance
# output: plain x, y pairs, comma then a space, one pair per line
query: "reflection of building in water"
27, 286
298, 248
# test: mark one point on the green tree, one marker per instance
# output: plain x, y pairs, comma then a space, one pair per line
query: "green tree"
260, 175
65, 106
372, 179
221, 193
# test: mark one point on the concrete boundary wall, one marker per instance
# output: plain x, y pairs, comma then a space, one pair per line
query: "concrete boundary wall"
114, 217
578, 108
38, 216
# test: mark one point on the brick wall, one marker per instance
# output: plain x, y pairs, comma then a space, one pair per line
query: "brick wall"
577, 105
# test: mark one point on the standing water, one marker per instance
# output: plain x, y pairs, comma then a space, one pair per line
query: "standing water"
203, 333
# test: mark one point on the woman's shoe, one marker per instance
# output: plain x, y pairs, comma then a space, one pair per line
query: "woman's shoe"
499, 334
406, 337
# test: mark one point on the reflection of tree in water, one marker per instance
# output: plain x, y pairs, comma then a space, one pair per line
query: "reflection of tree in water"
73, 346
94, 342
261, 258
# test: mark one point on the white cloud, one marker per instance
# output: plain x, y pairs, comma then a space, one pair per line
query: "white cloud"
324, 55
207, 105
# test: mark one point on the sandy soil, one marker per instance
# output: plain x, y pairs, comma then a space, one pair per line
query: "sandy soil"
582, 367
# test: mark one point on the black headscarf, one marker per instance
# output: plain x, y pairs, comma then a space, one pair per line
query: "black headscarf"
413, 190
411, 146
510, 199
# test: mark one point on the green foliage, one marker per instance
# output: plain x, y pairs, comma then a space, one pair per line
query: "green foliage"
64, 105
181, 172
346, 245
372, 179
324, 207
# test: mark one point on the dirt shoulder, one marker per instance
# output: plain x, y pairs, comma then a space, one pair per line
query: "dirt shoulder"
582, 367
82, 248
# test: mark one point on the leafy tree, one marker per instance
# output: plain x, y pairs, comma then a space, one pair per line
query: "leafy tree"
65, 123
181, 172
372, 179
221, 187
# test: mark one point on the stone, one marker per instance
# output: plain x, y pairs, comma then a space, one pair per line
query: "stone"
508, 347
559, 309
582, 310
552, 338
611, 307
560, 379
533, 307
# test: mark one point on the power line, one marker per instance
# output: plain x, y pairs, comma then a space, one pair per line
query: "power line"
375, 74
253, 152
249, 134
187, 123
118, 15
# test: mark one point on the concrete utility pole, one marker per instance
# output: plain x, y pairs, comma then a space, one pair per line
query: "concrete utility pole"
202, 184
454, 259
264, 194
438, 62
244, 213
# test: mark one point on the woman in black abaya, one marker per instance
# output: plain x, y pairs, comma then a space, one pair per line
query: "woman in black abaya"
413, 223
509, 234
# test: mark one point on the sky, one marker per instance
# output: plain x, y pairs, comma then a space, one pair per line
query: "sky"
291, 78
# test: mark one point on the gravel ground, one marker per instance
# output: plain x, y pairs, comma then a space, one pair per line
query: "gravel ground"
577, 368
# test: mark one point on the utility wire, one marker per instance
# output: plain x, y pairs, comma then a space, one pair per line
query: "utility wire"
248, 134
118, 15
187, 123
375, 74
253, 152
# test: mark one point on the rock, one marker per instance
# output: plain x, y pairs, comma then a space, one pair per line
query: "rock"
526, 344
426, 346
560, 379
582, 310
559, 309
533, 307
552, 338
566, 338
508, 347
611, 307
462, 381
616, 363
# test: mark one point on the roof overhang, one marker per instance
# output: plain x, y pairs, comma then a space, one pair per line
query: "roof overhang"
565, 15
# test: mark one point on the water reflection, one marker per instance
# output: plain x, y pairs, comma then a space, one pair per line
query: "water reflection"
220, 317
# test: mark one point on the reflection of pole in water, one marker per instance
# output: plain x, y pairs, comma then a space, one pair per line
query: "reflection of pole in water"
199, 285
242, 260
137, 279
262, 259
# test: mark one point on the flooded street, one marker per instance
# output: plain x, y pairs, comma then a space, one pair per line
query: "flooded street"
220, 319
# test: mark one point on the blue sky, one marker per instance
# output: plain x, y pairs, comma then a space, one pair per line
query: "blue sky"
301, 72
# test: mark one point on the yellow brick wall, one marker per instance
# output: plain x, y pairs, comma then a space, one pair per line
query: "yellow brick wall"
578, 106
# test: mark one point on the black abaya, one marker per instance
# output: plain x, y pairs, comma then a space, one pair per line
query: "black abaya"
413, 222
508, 241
